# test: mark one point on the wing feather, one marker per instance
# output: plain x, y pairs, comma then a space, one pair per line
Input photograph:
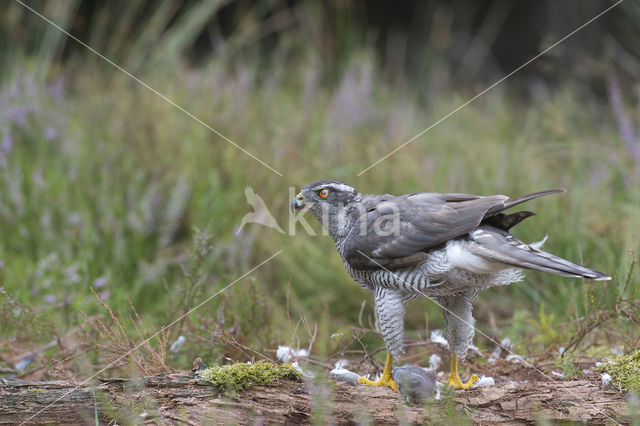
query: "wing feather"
424, 221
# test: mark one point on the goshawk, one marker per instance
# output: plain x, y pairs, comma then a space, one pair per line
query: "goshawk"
442, 246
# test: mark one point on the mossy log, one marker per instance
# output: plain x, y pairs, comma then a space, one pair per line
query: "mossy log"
181, 398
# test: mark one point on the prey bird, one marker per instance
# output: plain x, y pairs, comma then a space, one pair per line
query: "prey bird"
442, 246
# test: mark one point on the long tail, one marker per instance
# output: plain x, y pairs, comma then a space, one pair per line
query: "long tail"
499, 246
512, 202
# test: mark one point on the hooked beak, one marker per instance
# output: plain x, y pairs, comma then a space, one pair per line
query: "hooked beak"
297, 203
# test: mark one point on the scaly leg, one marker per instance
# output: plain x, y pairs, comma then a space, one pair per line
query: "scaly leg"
386, 379
454, 379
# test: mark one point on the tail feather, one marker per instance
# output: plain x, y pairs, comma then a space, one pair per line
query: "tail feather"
540, 260
512, 202
499, 246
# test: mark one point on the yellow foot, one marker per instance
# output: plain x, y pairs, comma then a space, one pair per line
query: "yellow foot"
454, 379
386, 379
455, 382
382, 381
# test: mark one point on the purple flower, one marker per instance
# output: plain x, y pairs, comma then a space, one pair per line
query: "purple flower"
14, 90
56, 89
45, 220
7, 142
100, 282
72, 274
50, 298
351, 105
38, 179
625, 126
74, 219
50, 133
105, 295
1, 264
19, 114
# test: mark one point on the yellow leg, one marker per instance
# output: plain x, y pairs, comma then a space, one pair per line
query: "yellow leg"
386, 379
454, 379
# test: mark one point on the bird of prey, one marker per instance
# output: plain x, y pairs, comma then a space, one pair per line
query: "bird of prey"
442, 246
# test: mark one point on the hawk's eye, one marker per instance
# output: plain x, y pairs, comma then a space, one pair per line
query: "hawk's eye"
323, 193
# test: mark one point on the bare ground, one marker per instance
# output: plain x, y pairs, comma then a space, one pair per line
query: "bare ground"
180, 399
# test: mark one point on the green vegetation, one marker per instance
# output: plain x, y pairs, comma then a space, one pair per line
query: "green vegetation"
569, 369
624, 370
234, 378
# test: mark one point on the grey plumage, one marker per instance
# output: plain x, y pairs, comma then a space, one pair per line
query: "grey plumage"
416, 384
444, 246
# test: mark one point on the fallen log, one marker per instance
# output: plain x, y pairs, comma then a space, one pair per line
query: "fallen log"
182, 399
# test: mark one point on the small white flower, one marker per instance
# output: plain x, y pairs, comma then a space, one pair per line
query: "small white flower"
606, 379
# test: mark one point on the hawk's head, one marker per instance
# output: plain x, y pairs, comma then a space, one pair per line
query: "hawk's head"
329, 201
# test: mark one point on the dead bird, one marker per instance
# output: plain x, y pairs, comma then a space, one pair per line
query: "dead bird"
415, 383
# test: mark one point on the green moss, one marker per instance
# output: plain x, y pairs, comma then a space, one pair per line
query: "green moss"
235, 378
624, 371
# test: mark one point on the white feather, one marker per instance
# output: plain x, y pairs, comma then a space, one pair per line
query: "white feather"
461, 258
539, 244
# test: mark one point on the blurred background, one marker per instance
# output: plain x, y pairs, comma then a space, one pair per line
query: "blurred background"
119, 212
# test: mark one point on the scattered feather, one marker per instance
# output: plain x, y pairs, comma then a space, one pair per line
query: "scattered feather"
177, 344
439, 387
538, 244
305, 373
434, 361
341, 364
485, 381
24, 362
514, 358
437, 337
503, 349
286, 353
473, 348
344, 375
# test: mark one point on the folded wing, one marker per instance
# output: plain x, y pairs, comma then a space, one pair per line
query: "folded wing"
396, 232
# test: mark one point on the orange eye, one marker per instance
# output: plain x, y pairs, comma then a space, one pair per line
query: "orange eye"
323, 193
